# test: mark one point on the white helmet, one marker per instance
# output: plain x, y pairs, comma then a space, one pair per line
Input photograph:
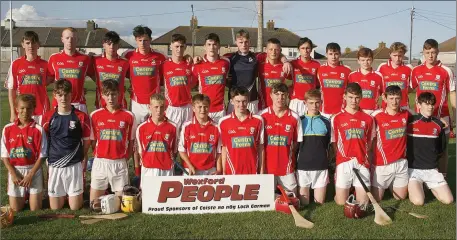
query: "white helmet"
106, 204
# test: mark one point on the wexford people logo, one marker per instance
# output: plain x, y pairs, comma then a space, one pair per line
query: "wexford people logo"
72, 125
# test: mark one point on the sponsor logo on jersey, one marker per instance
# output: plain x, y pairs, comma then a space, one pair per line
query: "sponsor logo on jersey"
269, 127
156, 146
72, 125
428, 85
215, 79
105, 75
31, 79
144, 71
354, 133
69, 73
201, 147
231, 131
21, 152
100, 67
333, 83
178, 81
277, 140
396, 83
242, 142
366, 93
303, 78
269, 82
395, 133
111, 134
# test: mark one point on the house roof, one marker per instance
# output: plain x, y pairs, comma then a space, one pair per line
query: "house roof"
50, 37
382, 52
448, 45
227, 35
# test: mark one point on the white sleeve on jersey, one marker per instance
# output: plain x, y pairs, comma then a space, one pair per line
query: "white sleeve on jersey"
3, 151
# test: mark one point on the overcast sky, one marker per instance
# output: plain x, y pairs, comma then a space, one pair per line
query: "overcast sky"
316, 20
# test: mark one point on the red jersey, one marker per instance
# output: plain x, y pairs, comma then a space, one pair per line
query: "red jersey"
304, 77
438, 80
281, 133
177, 78
74, 68
269, 74
399, 76
23, 146
157, 144
112, 132
332, 81
106, 69
144, 74
352, 133
201, 143
371, 85
29, 77
241, 140
390, 136
212, 78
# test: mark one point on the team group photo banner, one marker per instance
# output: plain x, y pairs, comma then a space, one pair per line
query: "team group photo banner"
208, 194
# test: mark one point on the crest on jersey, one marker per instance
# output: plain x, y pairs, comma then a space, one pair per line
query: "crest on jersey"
313, 70
29, 140
11, 140
288, 128
153, 62
81, 64
362, 123
72, 125
119, 69
211, 137
252, 130
251, 59
187, 71
121, 124
435, 131
403, 120
166, 136
342, 75
41, 70
372, 83
403, 76
438, 77
223, 69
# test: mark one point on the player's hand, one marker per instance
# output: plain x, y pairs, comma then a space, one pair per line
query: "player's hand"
446, 125
198, 59
27, 180
191, 170
13, 116
287, 68
188, 58
15, 178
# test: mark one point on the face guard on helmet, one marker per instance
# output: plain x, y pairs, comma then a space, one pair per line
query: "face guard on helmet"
352, 209
282, 205
106, 204
7, 216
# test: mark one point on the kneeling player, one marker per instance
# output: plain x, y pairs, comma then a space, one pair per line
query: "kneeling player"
23, 148
312, 160
156, 138
199, 143
390, 168
425, 145
112, 134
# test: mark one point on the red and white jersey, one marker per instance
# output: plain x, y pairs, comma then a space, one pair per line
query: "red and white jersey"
157, 144
23, 146
212, 78
144, 74
332, 81
73, 68
399, 76
241, 140
177, 78
304, 77
201, 143
280, 135
371, 84
269, 74
29, 77
352, 134
112, 132
390, 136
110, 69
438, 80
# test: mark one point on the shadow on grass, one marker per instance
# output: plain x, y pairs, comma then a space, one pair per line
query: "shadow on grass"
28, 220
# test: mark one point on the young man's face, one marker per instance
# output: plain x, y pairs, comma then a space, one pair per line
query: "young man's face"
143, 43
63, 99
426, 109
24, 110
352, 100
212, 48
31, 48
431, 55
243, 44
279, 98
273, 51
201, 109
392, 101
177, 49
313, 105
110, 48
240, 103
69, 39
157, 109
397, 57
365, 62
333, 56
305, 50
111, 99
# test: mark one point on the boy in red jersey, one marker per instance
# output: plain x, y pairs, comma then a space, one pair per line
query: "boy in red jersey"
333, 78
390, 167
242, 137
156, 139
199, 143
23, 148
369, 80
29, 75
352, 135
283, 130
112, 138
304, 76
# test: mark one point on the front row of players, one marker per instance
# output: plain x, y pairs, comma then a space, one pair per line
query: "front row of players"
239, 144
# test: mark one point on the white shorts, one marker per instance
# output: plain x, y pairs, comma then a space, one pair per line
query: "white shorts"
215, 116
298, 106
252, 106
431, 177
395, 174
314, 179
204, 172
288, 182
66, 181
345, 176
81, 107
179, 115
367, 111
140, 111
114, 172
36, 186
38, 119
154, 172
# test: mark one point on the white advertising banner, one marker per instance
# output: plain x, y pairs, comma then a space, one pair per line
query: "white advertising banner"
208, 194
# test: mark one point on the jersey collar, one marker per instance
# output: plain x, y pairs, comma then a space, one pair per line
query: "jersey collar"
248, 117
195, 121
30, 124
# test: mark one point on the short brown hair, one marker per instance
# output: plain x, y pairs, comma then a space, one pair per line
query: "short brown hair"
27, 98
353, 88
239, 90
279, 87
62, 86
392, 90
430, 43
157, 97
398, 47
71, 29
200, 98
31, 36
313, 93
242, 33
333, 46
178, 38
426, 97
365, 52
110, 86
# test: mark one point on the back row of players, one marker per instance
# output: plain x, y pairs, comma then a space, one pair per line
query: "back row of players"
237, 146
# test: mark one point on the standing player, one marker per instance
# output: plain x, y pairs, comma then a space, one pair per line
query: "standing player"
270, 72
282, 133
426, 142
352, 135
394, 72
370, 81
71, 65
242, 137
304, 76
110, 66
199, 143
333, 78
112, 138
68, 132
432, 76
312, 160
390, 168
29, 75
23, 148
156, 139
177, 77
211, 76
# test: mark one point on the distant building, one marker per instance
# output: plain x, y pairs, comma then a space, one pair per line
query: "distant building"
447, 52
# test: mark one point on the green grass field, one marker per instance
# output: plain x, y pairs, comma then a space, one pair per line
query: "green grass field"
328, 218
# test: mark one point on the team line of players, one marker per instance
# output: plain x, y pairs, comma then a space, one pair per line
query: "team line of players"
241, 132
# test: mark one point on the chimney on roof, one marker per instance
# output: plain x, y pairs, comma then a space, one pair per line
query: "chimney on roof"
347, 50
90, 25
382, 45
271, 25
7, 24
193, 23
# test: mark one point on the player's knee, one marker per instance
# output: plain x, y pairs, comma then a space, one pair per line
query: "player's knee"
339, 201
447, 200
417, 201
